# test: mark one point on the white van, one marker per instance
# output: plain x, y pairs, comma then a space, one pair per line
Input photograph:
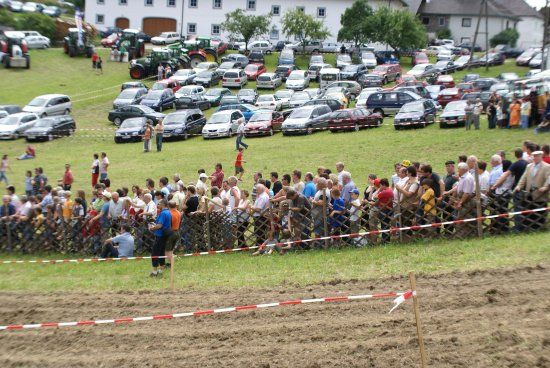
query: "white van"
328, 76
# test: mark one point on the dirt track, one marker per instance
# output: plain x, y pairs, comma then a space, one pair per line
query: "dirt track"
493, 318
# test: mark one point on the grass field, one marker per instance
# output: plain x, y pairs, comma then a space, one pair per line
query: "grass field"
367, 151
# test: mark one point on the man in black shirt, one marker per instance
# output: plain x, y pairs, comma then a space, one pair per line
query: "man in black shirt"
438, 186
516, 170
277, 186
451, 177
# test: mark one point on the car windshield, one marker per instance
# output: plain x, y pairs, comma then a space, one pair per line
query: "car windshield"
300, 114
298, 96
457, 106
296, 76
350, 68
264, 78
147, 109
381, 68
316, 59
10, 120
343, 57
260, 116
281, 69
412, 107
127, 93
204, 65
185, 91
251, 68
37, 102
204, 75
368, 56
153, 95
227, 65
219, 119
213, 92
246, 92
44, 123
265, 98
132, 123
174, 119
283, 94
164, 34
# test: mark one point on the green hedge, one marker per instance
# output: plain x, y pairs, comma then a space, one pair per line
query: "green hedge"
29, 22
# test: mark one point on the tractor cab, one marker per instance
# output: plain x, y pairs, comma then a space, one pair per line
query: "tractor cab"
131, 43
78, 43
13, 50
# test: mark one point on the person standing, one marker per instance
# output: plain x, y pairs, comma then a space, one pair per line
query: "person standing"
67, 178
469, 112
159, 132
99, 65
534, 104
4, 167
525, 113
239, 169
95, 169
492, 115
478, 108
160, 72
162, 230
103, 167
147, 137
240, 135
515, 113
94, 60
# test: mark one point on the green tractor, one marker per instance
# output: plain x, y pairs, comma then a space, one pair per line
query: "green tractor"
130, 41
73, 47
200, 49
146, 66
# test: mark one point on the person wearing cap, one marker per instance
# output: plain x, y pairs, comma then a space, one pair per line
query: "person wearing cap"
201, 183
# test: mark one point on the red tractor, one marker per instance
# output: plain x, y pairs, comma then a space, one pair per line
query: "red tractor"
13, 50
200, 49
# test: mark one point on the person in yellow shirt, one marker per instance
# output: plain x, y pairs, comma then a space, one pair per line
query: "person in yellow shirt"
427, 209
67, 209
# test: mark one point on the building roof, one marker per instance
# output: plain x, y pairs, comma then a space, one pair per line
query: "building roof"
502, 8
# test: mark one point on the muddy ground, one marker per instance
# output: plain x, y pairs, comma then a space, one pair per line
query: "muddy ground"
495, 318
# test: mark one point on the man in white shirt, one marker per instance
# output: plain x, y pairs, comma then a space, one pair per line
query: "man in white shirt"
201, 183
103, 167
261, 222
340, 170
115, 206
150, 209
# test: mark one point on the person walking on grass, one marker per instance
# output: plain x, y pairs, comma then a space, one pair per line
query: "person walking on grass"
239, 169
159, 132
94, 60
240, 135
99, 65
4, 167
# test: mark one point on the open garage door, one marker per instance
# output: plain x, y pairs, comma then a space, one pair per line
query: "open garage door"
122, 23
155, 26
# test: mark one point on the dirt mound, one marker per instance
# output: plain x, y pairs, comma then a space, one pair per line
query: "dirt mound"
496, 318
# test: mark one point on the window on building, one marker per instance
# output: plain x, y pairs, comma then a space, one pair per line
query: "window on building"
148, 2
101, 2
99, 18
122, 2
171, 3
425, 20
217, 4
301, 8
191, 28
466, 22
321, 12
250, 4
274, 34
441, 21
193, 3
276, 10
215, 29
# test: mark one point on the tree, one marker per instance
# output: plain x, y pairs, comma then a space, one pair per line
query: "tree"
507, 37
246, 26
303, 27
400, 29
443, 33
357, 25
42, 23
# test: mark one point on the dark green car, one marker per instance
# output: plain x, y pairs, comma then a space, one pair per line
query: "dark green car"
214, 95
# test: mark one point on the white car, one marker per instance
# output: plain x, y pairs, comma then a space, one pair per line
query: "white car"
206, 66
166, 38
234, 78
368, 59
222, 124
48, 105
37, 42
31, 7
190, 90
364, 95
15, 125
342, 60
16, 6
263, 46
298, 99
284, 96
297, 80
268, 80
184, 76
444, 55
269, 102
419, 69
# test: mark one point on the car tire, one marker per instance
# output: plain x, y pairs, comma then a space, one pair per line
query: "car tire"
379, 123
117, 122
185, 135
67, 112
271, 132
309, 131
379, 111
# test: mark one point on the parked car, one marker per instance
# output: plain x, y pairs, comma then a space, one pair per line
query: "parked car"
131, 130
297, 80
361, 100
284, 96
10, 109
247, 95
508, 51
313, 92
191, 90
305, 119
181, 124
526, 56
192, 102
445, 66
166, 83
453, 114
159, 100
252, 71
37, 42
386, 57
353, 71
256, 57
352, 88
242, 59
466, 87
13, 126
206, 66
281, 45
368, 59
228, 65
484, 84
286, 57
317, 59
314, 71
185, 76
416, 114
215, 95
222, 124
117, 116
283, 71
332, 103
353, 119
268, 102
434, 90
330, 47
207, 79
166, 38
310, 47
30, 7
445, 55
229, 100
389, 102
16, 6
263, 46
462, 62
342, 60
245, 109
234, 78
491, 58
470, 77
468, 46
50, 128
536, 61
52, 11
269, 81
446, 81
532, 73
388, 72
109, 30
423, 71
448, 95
418, 89
338, 93
48, 105
263, 122
129, 96
370, 80
298, 99
110, 40
420, 58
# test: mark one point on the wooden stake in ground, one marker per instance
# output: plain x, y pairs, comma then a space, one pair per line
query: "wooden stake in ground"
412, 279
172, 264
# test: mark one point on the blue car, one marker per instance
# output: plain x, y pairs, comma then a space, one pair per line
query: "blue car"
159, 100
246, 109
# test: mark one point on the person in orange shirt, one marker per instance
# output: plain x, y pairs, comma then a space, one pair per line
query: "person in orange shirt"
147, 137
67, 209
515, 113
176, 220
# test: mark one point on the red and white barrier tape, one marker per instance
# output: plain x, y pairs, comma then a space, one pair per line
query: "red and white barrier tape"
331, 237
400, 297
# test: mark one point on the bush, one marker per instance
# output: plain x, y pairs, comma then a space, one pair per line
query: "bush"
6, 19
444, 33
507, 37
41, 23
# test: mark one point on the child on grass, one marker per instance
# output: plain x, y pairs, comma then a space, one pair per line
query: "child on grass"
239, 170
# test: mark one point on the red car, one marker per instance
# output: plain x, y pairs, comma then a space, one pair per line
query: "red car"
353, 119
466, 87
446, 81
221, 47
252, 71
420, 58
110, 40
447, 95
166, 83
263, 122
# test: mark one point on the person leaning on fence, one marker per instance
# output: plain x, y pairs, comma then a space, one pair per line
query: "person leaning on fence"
242, 212
162, 230
319, 208
336, 216
259, 209
300, 208
120, 246
427, 211
406, 195
355, 217
464, 202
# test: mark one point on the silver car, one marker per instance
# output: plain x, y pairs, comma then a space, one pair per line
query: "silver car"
297, 80
15, 125
37, 42
268, 80
234, 78
264, 46
368, 59
48, 105
298, 99
222, 124
129, 96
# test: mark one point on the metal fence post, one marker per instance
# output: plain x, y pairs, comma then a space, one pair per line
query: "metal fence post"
478, 202
325, 224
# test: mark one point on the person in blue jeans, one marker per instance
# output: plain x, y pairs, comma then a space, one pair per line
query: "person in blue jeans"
162, 230
121, 245
240, 135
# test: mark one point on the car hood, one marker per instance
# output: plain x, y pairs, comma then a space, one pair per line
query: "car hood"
8, 128
33, 108
128, 130
38, 130
452, 114
147, 102
295, 121
216, 126
408, 115
298, 82
257, 125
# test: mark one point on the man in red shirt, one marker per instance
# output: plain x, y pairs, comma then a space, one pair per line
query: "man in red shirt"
217, 176
175, 225
384, 202
67, 178
239, 170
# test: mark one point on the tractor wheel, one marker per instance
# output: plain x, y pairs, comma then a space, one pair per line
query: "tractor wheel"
211, 55
65, 48
72, 52
6, 61
195, 59
137, 72
28, 62
183, 64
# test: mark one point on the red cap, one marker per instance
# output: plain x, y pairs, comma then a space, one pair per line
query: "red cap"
377, 182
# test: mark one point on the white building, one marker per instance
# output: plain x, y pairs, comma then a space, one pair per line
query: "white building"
204, 17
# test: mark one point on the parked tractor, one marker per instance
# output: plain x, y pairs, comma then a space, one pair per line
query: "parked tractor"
144, 67
13, 50
135, 46
200, 49
73, 46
